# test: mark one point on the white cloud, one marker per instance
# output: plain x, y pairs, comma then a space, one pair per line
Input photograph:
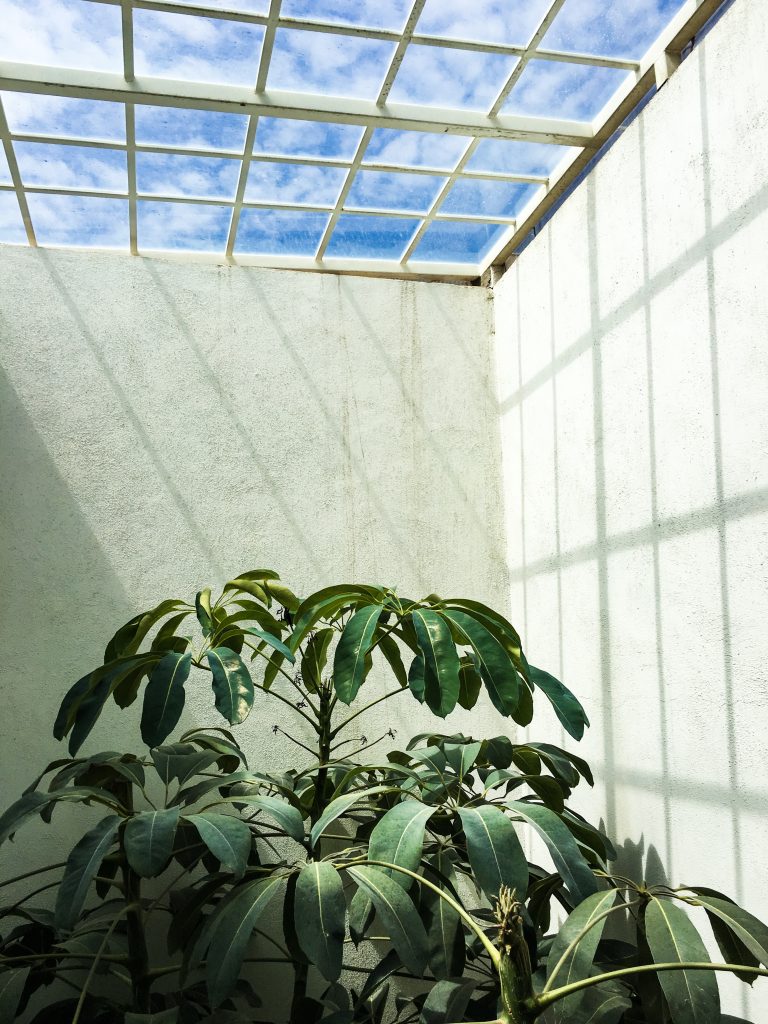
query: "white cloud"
72, 166
172, 175
373, 13
82, 221
554, 89
500, 21
415, 149
182, 226
11, 224
331, 64
451, 78
618, 29
294, 183
64, 33
394, 191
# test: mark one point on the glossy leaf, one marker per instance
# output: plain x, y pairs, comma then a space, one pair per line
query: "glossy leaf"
470, 683
320, 913
228, 932
227, 837
603, 1005
269, 638
325, 604
397, 914
82, 865
692, 996
416, 678
588, 918
289, 817
148, 840
181, 761
569, 711
361, 915
447, 1002
340, 805
349, 666
232, 685
567, 857
27, 806
399, 837
391, 651
495, 853
315, 658
129, 637
493, 662
203, 610
441, 678
164, 697
751, 933
444, 928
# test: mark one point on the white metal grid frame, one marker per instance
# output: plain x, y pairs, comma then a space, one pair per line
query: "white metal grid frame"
582, 138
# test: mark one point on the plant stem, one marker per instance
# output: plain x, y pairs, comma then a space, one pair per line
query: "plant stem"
29, 874
345, 723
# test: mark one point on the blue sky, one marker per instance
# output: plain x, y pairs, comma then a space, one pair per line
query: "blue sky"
87, 34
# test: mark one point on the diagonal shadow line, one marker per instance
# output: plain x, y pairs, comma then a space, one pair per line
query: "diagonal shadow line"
269, 478
713, 516
699, 252
495, 543
128, 410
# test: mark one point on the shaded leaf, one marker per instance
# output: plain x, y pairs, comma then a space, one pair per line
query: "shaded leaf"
82, 865
181, 761
577, 965
497, 670
21, 810
148, 840
232, 684
340, 805
11, 989
227, 837
289, 817
447, 1002
441, 677
567, 857
495, 853
444, 927
397, 914
567, 708
349, 666
692, 996
315, 658
391, 651
164, 697
399, 838
742, 938
320, 913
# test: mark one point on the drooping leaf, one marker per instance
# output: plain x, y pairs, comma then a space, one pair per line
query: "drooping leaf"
320, 912
589, 918
361, 915
148, 840
603, 1005
203, 610
349, 658
692, 996
21, 810
495, 853
389, 648
567, 708
129, 637
227, 837
269, 638
441, 678
461, 756
416, 678
283, 594
232, 684
380, 974
497, 670
444, 928
397, 914
744, 939
315, 658
567, 857
228, 931
399, 837
447, 1002
340, 805
167, 632
82, 865
469, 684
164, 697
327, 603
12, 982
181, 761
288, 817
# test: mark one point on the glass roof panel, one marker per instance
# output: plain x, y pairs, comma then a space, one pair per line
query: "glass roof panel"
371, 237
79, 220
196, 49
59, 115
437, 76
5, 171
294, 183
497, 21
288, 137
455, 242
415, 149
610, 30
270, 232
510, 157
391, 14
80, 167
194, 129
483, 197
11, 224
172, 175
329, 64
384, 191
171, 226
556, 89
63, 33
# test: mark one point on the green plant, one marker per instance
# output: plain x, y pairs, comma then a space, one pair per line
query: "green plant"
409, 852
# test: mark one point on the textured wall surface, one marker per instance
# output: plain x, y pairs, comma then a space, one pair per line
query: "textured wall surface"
634, 400
165, 426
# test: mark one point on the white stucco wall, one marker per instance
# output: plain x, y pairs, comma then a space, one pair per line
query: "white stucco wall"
165, 426
631, 340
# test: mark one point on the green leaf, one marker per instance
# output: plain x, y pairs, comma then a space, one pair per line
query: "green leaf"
603, 1005
444, 927
578, 963
82, 865
320, 911
567, 708
391, 651
397, 914
416, 678
227, 837
12, 984
565, 853
181, 761
495, 853
289, 817
399, 838
315, 658
164, 697
337, 807
748, 934
270, 639
325, 604
68, 707
440, 659
283, 595
349, 659
361, 915
494, 664
21, 810
148, 840
167, 632
447, 1002
692, 996
461, 756
232, 685
469, 684
169, 1016
129, 637
228, 931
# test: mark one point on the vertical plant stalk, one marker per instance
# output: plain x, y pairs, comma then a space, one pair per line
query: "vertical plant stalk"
138, 956
515, 962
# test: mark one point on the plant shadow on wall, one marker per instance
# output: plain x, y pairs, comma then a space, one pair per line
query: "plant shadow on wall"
415, 854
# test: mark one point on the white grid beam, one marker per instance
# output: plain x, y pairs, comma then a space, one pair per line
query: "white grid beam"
17, 186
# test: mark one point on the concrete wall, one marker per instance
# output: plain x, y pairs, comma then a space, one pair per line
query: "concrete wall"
165, 426
631, 340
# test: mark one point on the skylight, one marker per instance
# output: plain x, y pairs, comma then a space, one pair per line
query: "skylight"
406, 137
